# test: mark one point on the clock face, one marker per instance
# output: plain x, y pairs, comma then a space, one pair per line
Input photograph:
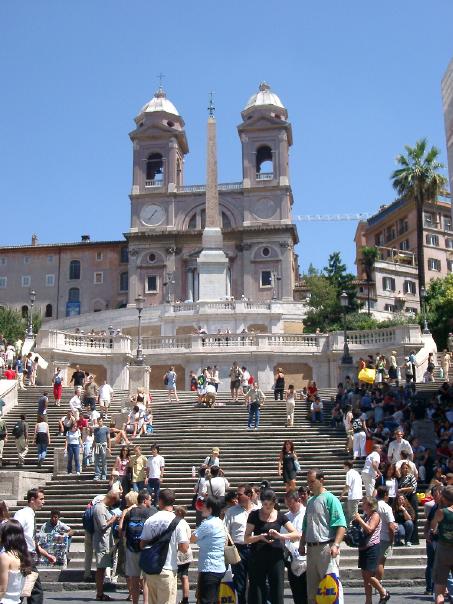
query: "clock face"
152, 214
264, 208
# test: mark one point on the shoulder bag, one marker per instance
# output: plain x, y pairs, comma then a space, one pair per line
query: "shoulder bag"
231, 552
153, 556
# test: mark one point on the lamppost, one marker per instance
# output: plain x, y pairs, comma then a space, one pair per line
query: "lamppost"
347, 358
139, 304
275, 285
425, 320
168, 284
30, 314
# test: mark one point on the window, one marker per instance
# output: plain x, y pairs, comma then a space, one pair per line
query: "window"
154, 170
388, 284
428, 219
151, 284
74, 294
152, 258
378, 239
433, 264
226, 222
124, 281
389, 307
403, 226
26, 259
49, 259
449, 267
2, 261
25, 280
410, 287
3, 282
192, 224
449, 243
266, 279
98, 277
404, 245
264, 163
411, 310
448, 226
24, 311
432, 240
265, 251
74, 269
48, 312
50, 280
99, 256
390, 234
124, 254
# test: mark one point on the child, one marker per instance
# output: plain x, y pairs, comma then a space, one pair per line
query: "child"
87, 459
290, 406
147, 427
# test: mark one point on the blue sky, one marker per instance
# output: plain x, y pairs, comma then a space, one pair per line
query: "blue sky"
360, 79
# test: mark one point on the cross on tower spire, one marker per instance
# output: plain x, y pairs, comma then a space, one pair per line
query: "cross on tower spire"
160, 77
211, 107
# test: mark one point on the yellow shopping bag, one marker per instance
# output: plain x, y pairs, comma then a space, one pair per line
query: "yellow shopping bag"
367, 375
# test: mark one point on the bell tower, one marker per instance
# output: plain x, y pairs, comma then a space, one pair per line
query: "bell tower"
266, 136
160, 144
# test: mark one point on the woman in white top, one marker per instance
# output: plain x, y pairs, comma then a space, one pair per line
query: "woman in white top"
290, 406
73, 445
15, 562
42, 439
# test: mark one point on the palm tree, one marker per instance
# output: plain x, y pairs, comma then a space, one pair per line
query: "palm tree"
369, 257
418, 179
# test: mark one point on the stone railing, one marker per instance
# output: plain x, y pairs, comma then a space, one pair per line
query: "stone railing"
165, 342
214, 307
78, 342
300, 341
223, 186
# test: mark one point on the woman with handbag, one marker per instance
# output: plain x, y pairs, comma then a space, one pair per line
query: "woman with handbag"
266, 563
369, 549
15, 562
288, 465
211, 539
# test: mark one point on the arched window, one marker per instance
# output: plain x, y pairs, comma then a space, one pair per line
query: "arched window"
24, 311
124, 281
264, 163
74, 269
155, 168
192, 222
74, 294
48, 312
226, 222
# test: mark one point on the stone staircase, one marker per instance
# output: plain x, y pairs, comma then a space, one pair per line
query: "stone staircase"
186, 433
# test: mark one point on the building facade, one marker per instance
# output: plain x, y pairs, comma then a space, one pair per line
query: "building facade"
393, 231
447, 98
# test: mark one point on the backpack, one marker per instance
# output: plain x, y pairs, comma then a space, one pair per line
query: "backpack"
3, 430
152, 558
18, 429
355, 536
134, 528
88, 518
166, 380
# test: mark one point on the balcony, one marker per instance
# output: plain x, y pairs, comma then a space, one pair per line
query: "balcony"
396, 256
264, 176
154, 184
224, 186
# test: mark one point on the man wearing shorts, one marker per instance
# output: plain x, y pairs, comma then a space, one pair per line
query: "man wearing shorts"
103, 521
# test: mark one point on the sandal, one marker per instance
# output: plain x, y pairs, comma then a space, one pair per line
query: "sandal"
385, 598
104, 598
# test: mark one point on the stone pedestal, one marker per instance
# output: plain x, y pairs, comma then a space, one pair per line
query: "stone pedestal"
345, 370
138, 378
212, 268
14, 484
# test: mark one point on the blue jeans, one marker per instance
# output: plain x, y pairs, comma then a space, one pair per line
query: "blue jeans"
405, 531
42, 451
138, 486
100, 461
430, 552
254, 416
73, 454
240, 573
154, 489
316, 416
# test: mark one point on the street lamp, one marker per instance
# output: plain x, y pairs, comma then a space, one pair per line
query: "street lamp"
425, 320
30, 314
275, 285
347, 358
139, 304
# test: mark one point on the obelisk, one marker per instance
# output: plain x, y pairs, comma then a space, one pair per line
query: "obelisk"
212, 263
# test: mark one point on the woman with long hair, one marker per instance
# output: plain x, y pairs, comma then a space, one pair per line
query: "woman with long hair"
267, 549
287, 462
118, 436
407, 486
4, 513
404, 517
279, 384
15, 562
121, 465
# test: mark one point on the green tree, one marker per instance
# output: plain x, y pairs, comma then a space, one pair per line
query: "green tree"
418, 179
13, 326
439, 305
368, 259
337, 275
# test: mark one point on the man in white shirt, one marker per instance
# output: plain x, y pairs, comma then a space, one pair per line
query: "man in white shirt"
216, 485
75, 404
353, 489
295, 502
105, 396
235, 522
26, 517
388, 529
162, 588
397, 446
371, 470
154, 473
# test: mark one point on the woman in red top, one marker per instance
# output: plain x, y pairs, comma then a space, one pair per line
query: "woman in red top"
312, 388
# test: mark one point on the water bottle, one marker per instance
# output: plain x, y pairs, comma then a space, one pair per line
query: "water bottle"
194, 473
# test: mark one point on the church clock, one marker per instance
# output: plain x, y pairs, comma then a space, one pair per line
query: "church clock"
152, 215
